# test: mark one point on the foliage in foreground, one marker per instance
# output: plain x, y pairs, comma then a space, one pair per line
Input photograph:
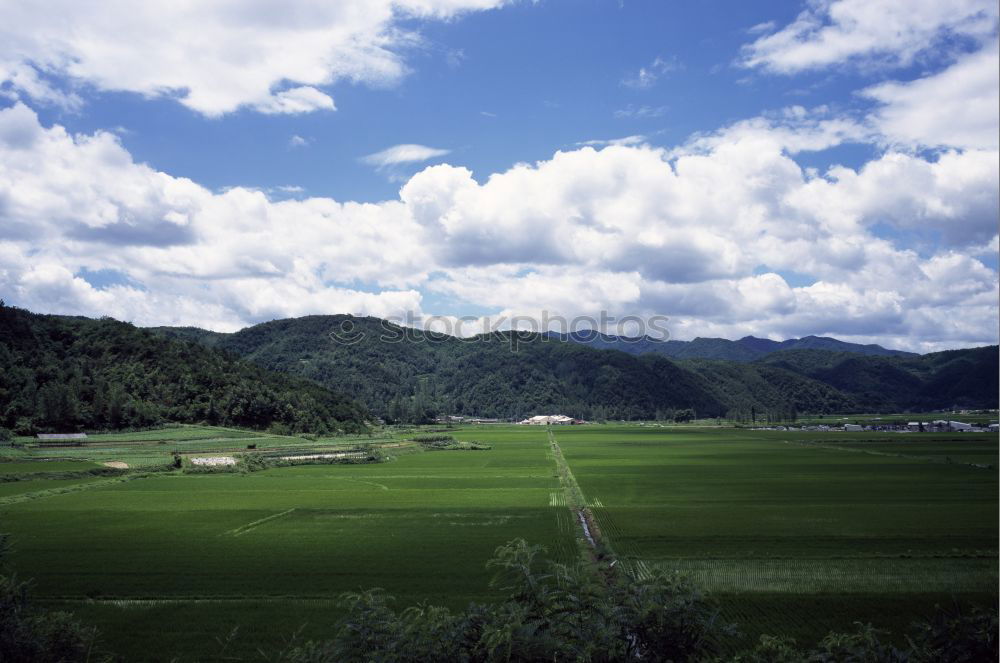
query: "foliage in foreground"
555, 612
29, 634
951, 636
552, 612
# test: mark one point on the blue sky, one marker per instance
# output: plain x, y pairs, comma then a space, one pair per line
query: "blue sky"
549, 75
781, 168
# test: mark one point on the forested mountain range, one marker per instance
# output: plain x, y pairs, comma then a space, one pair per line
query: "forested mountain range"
63, 374
402, 373
747, 348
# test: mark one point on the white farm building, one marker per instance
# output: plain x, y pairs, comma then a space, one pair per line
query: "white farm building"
545, 419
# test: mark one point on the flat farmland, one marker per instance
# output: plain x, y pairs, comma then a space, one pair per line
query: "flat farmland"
794, 533
771, 522
948, 448
20, 468
169, 563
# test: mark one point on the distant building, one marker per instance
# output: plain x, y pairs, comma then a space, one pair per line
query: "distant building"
546, 419
913, 426
994, 428
958, 425
853, 428
61, 439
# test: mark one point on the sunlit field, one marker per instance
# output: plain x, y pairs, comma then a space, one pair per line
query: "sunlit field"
793, 533
820, 528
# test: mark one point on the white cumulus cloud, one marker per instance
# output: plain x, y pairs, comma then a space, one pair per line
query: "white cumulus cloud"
829, 32
958, 107
704, 234
214, 56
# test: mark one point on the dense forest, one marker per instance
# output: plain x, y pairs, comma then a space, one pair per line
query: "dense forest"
65, 374
747, 348
62, 374
954, 378
410, 375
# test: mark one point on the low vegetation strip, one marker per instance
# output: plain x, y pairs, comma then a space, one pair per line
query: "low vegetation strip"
86, 483
576, 501
65, 474
447, 443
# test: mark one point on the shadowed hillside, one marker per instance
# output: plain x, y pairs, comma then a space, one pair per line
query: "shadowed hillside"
407, 374
66, 373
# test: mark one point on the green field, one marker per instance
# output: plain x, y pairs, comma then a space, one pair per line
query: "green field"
785, 520
960, 448
794, 533
42, 466
178, 560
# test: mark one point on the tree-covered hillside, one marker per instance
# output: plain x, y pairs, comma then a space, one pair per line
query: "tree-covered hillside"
408, 374
60, 374
940, 380
750, 389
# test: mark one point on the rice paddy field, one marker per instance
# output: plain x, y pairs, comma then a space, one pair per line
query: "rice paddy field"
799, 533
793, 533
170, 564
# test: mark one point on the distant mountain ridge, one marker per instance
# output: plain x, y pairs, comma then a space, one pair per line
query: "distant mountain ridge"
425, 372
748, 348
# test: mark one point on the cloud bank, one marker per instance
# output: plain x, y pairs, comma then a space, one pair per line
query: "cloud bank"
706, 233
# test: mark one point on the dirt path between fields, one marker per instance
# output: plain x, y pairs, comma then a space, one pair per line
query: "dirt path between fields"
577, 503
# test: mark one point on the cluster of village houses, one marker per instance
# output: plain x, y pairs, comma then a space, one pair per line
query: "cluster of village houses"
937, 426
540, 420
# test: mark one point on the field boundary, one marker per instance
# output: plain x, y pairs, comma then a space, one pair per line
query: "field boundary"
78, 487
243, 529
577, 504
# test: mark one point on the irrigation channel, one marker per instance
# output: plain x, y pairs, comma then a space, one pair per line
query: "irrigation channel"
577, 503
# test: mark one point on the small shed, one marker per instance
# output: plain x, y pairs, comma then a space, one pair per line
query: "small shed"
61, 439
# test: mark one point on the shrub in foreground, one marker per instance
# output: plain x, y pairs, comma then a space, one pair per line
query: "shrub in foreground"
29, 634
552, 612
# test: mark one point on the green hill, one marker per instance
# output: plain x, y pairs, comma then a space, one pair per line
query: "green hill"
66, 373
394, 369
407, 374
956, 378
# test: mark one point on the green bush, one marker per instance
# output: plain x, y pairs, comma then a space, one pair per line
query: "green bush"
427, 439
552, 613
30, 634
